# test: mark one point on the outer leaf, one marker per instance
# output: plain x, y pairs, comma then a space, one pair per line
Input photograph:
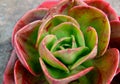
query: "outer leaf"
67, 80
25, 40
59, 6
107, 66
115, 36
30, 16
8, 77
64, 5
105, 7
22, 76
48, 4
90, 16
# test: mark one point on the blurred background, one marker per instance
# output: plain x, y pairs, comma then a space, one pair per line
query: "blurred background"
10, 12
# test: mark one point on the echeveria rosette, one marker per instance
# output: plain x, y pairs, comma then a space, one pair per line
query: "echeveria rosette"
63, 42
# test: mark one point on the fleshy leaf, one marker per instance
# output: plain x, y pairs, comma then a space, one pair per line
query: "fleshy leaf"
67, 29
91, 38
48, 4
115, 34
47, 56
105, 7
74, 43
50, 23
91, 16
59, 42
91, 42
22, 76
66, 80
64, 6
60, 6
69, 56
115, 37
25, 40
30, 16
8, 77
107, 66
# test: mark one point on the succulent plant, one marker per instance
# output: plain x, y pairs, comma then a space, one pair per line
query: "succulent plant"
66, 41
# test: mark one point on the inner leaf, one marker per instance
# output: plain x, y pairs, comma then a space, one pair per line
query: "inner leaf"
67, 29
91, 42
65, 46
52, 22
47, 56
69, 56
91, 38
60, 42
74, 44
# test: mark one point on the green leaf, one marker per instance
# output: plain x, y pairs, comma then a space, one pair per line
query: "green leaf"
91, 42
69, 56
52, 22
67, 29
58, 43
54, 75
90, 16
91, 38
47, 56
74, 44
84, 80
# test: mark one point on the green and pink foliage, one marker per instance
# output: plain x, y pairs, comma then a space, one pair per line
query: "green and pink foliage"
66, 41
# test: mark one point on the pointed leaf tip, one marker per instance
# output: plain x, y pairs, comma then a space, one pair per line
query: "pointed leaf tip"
30, 16
25, 40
